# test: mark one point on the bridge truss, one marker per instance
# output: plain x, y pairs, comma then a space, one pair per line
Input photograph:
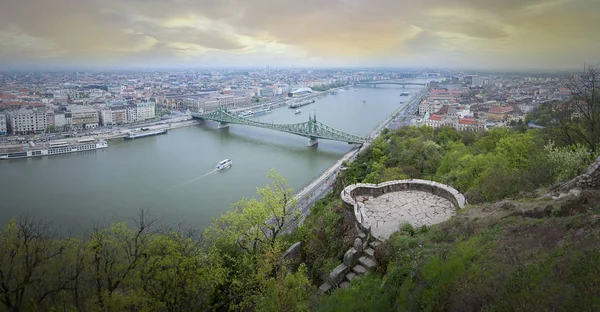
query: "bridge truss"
390, 82
312, 129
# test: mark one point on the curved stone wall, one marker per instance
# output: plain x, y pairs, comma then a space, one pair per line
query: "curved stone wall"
375, 190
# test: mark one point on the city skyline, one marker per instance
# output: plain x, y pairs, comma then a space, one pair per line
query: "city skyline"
527, 34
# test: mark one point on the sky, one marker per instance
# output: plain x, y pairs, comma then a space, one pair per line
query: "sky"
494, 34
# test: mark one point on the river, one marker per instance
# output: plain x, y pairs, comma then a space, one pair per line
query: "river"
172, 175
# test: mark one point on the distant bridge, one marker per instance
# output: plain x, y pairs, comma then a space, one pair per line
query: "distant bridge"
312, 129
390, 82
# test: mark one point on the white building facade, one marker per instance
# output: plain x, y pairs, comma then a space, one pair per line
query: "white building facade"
28, 121
145, 111
3, 125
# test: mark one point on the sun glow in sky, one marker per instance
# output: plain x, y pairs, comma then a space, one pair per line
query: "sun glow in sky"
410, 33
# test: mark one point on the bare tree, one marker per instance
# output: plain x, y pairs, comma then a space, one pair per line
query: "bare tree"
579, 121
35, 264
116, 253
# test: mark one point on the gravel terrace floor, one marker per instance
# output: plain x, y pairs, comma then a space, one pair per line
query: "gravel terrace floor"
386, 212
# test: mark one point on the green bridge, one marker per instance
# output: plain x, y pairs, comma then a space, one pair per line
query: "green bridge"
312, 129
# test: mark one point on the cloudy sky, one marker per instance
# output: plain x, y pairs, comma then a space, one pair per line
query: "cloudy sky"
205, 33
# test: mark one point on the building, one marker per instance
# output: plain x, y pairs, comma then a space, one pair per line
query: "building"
300, 92
145, 110
478, 81
470, 124
499, 113
3, 126
28, 121
131, 111
207, 105
83, 118
59, 120
106, 117
434, 121
119, 115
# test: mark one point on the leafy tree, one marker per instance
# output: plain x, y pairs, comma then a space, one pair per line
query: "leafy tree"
287, 292
567, 162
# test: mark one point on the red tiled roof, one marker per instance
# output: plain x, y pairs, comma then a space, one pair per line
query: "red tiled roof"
435, 117
468, 121
500, 109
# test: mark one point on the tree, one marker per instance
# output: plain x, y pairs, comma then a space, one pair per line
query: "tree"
579, 120
114, 255
248, 238
34, 264
255, 224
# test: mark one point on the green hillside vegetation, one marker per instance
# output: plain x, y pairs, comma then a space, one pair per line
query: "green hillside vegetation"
237, 264
527, 252
330, 86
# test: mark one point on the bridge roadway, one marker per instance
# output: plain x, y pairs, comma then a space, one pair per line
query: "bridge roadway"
390, 82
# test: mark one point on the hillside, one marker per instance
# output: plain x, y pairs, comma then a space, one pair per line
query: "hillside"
513, 255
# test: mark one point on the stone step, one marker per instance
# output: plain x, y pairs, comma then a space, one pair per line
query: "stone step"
325, 288
350, 276
367, 262
361, 235
370, 252
359, 269
374, 244
344, 284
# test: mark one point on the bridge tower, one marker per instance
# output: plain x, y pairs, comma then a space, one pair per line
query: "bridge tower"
223, 124
312, 128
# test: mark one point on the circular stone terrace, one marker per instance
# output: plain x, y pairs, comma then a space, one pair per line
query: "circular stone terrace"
381, 208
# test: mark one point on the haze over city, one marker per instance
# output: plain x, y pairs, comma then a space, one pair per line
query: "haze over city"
525, 34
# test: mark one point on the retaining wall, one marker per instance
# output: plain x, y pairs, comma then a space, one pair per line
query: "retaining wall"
350, 192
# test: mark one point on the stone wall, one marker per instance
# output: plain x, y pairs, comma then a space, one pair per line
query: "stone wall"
590, 178
350, 192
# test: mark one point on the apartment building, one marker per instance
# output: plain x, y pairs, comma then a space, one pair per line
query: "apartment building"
84, 118
3, 125
28, 121
145, 110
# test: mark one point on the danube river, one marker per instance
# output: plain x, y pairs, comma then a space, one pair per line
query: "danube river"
172, 175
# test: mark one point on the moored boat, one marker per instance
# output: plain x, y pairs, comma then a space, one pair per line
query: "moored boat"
52, 148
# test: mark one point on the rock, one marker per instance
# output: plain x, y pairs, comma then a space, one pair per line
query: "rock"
370, 252
546, 196
293, 256
325, 288
350, 257
350, 276
368, 263
359, 269
575, 192
337, 275
358, 246
374, 244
